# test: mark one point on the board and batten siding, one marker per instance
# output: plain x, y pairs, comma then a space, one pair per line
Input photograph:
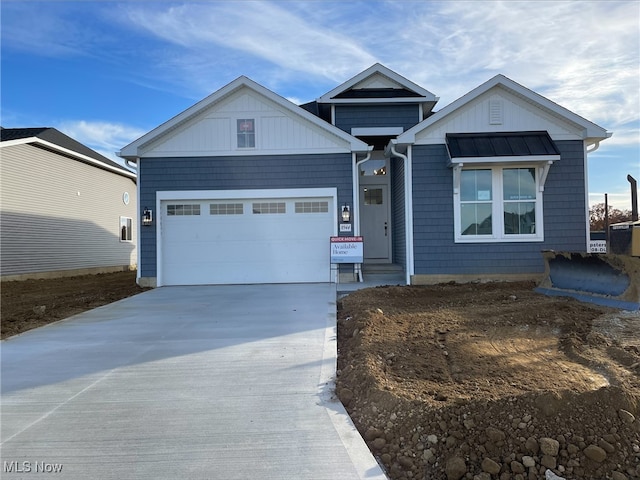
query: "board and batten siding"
235, 173
362, 116
62, 215
436, 253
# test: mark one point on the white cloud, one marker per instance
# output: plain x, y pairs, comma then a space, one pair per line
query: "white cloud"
106, 138
263, 35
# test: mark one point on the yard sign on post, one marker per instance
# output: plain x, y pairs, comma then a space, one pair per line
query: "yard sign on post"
346, 250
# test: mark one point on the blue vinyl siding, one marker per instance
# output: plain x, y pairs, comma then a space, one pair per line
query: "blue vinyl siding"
235, 173
360, 116
436, 253
399, 244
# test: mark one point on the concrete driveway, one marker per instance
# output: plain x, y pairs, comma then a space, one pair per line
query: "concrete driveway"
215, 382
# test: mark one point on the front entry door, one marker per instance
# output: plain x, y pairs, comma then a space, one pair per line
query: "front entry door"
374, 222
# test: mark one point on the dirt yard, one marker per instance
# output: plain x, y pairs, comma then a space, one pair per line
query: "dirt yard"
491, 381
476, 381
32, 303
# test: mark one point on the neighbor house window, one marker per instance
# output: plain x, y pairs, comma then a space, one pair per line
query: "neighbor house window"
498, 204
246, 132
126, 225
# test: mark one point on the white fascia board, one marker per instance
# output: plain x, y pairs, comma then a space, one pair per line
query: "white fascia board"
69, 153
589, 129
394, 100
372, 70
247, 152
131, 151
245, 194
373, 131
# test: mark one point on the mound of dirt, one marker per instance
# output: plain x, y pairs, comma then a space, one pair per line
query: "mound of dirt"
483, 381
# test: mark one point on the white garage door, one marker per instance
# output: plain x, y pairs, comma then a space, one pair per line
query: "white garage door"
246, 240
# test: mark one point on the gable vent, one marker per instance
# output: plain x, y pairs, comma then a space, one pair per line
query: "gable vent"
495, 112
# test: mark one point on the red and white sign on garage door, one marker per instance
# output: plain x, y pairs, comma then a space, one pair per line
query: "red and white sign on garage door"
245, 236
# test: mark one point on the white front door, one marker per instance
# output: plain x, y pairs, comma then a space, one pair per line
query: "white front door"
374, 222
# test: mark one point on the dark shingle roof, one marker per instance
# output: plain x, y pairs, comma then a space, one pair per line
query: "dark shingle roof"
517, 144
56, 137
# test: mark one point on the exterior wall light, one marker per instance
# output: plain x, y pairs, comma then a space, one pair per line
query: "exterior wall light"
147, 217
346, 213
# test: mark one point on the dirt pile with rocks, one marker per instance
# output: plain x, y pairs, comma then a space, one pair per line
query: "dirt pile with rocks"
491, 381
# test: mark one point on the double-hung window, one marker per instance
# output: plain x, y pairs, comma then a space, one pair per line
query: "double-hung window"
246, 132
498, 182
498, 204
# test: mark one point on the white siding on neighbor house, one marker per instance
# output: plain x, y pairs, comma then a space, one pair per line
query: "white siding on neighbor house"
61, 214
483, 115
214, 131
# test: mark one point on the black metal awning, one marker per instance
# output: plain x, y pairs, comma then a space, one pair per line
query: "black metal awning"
510, 144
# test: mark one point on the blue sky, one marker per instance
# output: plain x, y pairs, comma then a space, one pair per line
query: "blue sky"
107, 72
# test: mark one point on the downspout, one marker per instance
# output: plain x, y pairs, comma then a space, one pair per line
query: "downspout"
356, 202
408, 214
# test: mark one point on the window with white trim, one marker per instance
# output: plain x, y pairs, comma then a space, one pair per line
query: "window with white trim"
246, 132
498, 204
126, 225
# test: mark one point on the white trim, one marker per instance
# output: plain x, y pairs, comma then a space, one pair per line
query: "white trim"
55, 147
134, 149
497, 204
589, 131
397, 100
243, 152
139, 227
408, 215
374, 131
374, 69
585, 166
167, 195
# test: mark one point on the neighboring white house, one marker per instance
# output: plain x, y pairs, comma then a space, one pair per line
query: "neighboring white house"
66, 210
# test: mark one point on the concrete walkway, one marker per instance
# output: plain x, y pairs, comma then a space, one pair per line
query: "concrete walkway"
224, 382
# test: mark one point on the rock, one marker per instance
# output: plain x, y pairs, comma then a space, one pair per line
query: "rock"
346, 396
595, 453
572, 449
495, 435
378, 443
548, 461
456, 468
517, 467
432, 439
528, 461
406, 462
532, 445
490, 466
372, 433
40, 310
549, 446
615, 475
428, 456
626, 417
386, 458
606, 446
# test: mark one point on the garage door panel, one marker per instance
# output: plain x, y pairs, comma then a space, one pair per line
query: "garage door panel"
230, 243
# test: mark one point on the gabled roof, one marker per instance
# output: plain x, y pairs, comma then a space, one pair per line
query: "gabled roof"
133, 150
591, 132
51, 139
395, 87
